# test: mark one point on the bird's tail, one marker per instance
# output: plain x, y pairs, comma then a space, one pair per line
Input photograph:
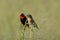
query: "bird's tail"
35, 25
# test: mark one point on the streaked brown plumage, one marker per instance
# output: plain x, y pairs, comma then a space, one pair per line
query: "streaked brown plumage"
31, 21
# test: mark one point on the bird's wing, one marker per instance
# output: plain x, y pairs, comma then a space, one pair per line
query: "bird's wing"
35, 25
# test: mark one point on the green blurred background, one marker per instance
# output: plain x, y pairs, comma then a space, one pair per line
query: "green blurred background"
46, 14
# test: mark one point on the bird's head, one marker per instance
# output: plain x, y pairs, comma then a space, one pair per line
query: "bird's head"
22, 16
29, 16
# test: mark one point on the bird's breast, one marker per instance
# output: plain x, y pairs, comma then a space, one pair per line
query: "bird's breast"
29, 20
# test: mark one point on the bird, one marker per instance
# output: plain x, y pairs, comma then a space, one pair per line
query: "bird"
31, 21
24, 20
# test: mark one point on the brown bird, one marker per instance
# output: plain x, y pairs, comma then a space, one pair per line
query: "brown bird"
31, 21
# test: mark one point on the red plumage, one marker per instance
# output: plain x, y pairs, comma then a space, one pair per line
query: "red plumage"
23, 20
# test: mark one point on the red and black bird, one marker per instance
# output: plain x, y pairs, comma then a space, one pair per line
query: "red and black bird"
23, 20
